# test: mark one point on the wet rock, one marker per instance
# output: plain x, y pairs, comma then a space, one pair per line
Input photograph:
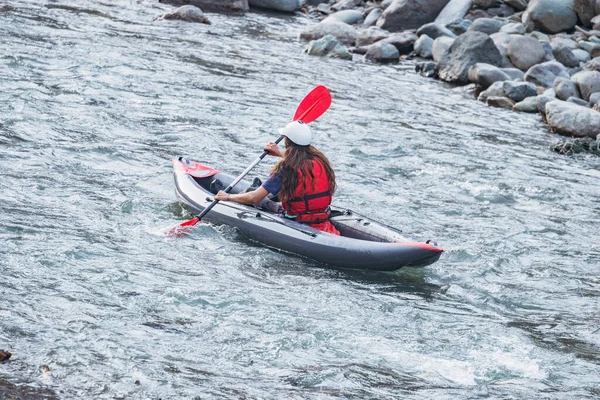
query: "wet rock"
544, 74
518, 91
578, 101
459, 27
519, 5
440, 47
585, 11
571, 119
455, 10
221, 6
5, 355
382, 52
529, 105
565, 56
500, 102
544, 99
496, 89
403, 41
410, 14
485, 75
371, 35
525, 52
349, 17
581, 55
424, 46
550, 16
185, 13
486, 25
434, 31
515, 74
588, 83
426, 68
344, 32
277, 5
514, 28
372, 17
328, 46
565, 88
466, 51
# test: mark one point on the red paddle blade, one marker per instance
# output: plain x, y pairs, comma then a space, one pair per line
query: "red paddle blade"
314, 105
182, 228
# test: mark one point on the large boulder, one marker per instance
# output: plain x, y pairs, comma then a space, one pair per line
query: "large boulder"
328, 46
485, 75
434, 31
349, 17
403, 41
585, 11
550, 16
466, 51
371, 35
221, 6
344, 32
486, 25
565, 88
525, 52
410, 14
571, 119
424, 46
544, 74
185, 13
277, 5
455, 10
588, 83
382, 52
440, 47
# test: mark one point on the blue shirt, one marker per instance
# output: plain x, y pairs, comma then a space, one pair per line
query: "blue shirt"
273, 184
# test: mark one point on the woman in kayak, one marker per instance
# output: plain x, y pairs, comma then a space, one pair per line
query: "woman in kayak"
303, 180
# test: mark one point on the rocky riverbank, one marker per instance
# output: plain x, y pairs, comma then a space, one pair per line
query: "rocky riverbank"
526, 55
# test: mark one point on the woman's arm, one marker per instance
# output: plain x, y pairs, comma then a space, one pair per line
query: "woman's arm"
253, 197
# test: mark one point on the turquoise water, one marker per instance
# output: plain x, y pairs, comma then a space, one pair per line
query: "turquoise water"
95, 101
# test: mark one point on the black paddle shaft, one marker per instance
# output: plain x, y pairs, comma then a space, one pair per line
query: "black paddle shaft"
238, 179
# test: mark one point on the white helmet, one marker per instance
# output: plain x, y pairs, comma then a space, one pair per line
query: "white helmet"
298, 132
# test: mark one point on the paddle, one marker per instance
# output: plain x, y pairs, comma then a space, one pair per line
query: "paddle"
312, 107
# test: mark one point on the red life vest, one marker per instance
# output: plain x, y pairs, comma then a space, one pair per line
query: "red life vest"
311, 201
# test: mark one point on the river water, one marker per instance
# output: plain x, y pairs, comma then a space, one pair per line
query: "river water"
95, 101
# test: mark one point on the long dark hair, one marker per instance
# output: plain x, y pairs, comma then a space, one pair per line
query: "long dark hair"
300, 158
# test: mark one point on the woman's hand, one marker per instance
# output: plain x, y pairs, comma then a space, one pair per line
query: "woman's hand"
221, 196
273, 149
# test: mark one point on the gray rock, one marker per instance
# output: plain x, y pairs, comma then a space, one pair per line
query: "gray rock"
592, 65
476, 14
486, 25
386, 3
519, 5
595, 99
485, 75
372, 17
529, 105
525, 52
515, 74
371, 35
185, 13
597, 7
585, 11
514, 28
466, 51
500, 102
578, 101
344, 32
455, 10
581, 55
440, 47
541, 37
382, 52
587, 46
563, 42
221, 6
565, 88
403, 41
328, 46
544, 74
277, 5
518, 91
502, 11
434, 31
595, 51
349, 17
501, 40
571, 119
426, 68
544, 99
550, 16
485, 4
565, 56
495, 90
410, 14
548, 49
324, 8
459, 27
595, 22
345, 5
588, 83
424, 46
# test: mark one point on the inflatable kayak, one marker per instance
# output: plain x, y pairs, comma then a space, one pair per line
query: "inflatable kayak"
363, 244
